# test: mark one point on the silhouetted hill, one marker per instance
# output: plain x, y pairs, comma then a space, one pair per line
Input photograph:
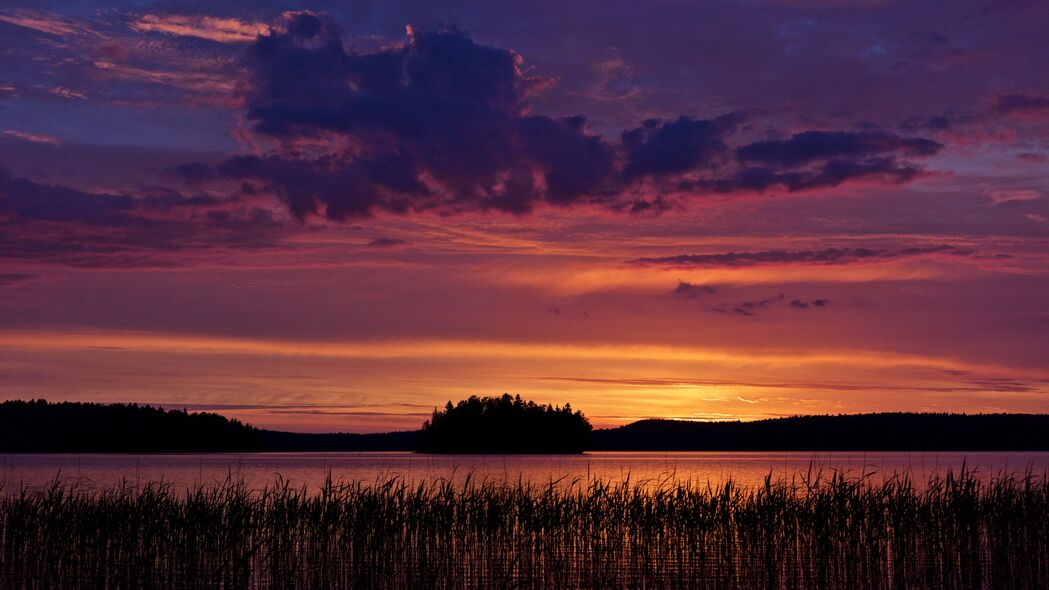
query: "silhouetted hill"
856, 432
504, 425
72, 427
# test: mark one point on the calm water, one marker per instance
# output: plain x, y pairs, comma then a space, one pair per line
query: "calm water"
310, 469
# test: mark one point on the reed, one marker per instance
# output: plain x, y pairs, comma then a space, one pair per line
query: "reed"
814, 531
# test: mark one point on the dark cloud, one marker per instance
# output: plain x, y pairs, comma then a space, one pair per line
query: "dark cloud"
826, 256
935, 123
386, 242
822, 159
1032, 157
761, 304
440, 108
690, 290
809, 146
441, 122
338, 187
798, 303
59, 224
23, 199
827, 175
750, 308
1008, 104
754, 307
10, 278
670, 147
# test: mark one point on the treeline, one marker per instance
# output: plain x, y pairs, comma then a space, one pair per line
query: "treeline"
73, 427
855, 432
504, 424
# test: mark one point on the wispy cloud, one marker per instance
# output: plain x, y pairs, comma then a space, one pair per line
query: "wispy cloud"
222, 30
199, 81
775, 257
63, 92
34, 137
46, 22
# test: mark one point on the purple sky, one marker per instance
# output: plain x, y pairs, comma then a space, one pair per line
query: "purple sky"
321, 217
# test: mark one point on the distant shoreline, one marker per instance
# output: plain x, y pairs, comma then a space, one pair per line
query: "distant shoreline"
79, 428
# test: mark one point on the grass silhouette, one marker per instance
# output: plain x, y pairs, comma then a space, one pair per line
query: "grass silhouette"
813, 531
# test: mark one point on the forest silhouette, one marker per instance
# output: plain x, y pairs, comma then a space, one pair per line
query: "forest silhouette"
505, 424
73, 427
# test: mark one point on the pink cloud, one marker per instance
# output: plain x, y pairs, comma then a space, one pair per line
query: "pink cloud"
34, 137
222, 30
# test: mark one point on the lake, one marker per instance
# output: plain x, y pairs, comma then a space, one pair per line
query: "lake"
311, 469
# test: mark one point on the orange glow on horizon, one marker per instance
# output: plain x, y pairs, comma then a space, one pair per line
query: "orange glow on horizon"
612, 383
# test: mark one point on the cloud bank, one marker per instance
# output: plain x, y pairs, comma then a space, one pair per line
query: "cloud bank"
440, 122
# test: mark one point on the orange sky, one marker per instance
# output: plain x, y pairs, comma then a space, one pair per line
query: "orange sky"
340, 337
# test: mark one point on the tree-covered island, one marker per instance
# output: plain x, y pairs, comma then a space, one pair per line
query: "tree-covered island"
504, 424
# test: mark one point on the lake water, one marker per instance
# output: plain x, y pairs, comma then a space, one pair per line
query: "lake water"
311, 469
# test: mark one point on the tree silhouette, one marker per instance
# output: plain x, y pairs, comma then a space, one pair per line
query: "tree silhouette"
37, 426
504, 424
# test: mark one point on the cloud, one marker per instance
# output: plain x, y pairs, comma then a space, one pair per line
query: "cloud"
29, 201
828, 174
1025, 104
779, 257
1032, 157
34, 137
613, 79
222, 30
442, 123
798, 303
64, 225
322, 408
669, 147
10, 278
195, 80
822, 159
691, 290
1003, 384
753, 308
46, 22
386, 242
438, 122
1005, 196
66, 93
810, 146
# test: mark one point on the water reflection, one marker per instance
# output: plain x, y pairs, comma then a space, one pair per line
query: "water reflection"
310, 469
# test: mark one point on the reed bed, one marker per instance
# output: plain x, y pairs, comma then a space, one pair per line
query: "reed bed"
956, 531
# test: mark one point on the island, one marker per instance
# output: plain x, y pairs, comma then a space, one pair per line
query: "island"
504, 425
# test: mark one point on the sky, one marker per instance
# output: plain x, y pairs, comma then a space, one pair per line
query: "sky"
336, 216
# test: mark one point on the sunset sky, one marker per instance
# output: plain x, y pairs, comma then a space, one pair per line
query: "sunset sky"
336, 216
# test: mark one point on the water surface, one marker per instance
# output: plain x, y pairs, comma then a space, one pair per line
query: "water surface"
311, 469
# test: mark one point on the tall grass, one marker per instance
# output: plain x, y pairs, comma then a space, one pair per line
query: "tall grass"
958, 531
